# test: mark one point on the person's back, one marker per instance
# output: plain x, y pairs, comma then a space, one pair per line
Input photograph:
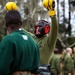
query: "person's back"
18, 51
68, 65
55, 64
68, 62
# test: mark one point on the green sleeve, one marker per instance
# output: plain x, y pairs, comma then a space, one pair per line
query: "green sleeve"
50, 42
63, 55
58, 68
6, 56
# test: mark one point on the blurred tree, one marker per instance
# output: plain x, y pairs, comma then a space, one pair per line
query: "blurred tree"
73, 2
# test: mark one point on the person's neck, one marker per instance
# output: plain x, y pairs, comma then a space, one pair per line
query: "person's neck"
68, 54
15, 29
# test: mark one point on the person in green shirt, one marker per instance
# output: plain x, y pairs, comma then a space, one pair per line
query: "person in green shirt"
68, 67
19, 53
55, 67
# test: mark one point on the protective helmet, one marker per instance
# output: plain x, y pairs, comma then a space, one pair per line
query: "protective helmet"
43, 28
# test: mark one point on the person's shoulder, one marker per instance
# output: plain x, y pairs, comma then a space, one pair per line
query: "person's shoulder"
56, 57
9, 36
53, 56
67, 56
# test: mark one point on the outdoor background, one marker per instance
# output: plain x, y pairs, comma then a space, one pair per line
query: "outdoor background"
32, 10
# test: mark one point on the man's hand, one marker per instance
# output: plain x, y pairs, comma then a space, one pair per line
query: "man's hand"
50, 6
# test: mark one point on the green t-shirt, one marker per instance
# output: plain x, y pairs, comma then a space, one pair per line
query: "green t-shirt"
18, 52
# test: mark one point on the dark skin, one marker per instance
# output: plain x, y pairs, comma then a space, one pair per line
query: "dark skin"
11, 28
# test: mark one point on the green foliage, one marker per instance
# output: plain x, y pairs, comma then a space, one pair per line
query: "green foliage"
73, 2
70, 40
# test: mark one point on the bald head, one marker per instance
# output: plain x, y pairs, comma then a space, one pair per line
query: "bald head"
69, 50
